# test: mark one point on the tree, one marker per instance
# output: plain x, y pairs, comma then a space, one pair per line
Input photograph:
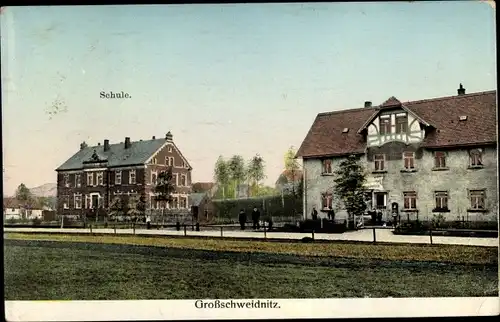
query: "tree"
292, 166
23, 194
165, 186
164, 189
116, 207
237, 171
349, 181
221, 174
255, 173
134, 207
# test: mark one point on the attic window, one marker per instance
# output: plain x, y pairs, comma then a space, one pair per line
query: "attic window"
345, 130
463, 118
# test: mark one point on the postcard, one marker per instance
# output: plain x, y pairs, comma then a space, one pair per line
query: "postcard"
249, 161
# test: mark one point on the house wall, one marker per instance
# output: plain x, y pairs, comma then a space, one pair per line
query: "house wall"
415, 132
109, 189
180, 168
457, 180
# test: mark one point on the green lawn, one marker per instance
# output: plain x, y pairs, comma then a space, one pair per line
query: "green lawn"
54, 270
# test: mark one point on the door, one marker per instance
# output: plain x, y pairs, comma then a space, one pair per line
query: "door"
381, 200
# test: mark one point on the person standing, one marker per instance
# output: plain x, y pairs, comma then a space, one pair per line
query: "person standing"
242, 218
148, 222
331, 214
256, 218
314, 214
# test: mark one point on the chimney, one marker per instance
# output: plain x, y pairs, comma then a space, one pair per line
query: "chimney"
461, 90
83, 145
127, 142
169, 136
154, 137
368, 104
106, 145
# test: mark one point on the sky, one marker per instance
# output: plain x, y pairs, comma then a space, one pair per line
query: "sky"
225, 79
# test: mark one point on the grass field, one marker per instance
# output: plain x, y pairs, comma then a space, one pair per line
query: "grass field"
44, 267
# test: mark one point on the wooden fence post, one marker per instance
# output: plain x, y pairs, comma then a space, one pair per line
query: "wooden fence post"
265, 234
221, 231
90, 228
133, 228
374, 235
115, 229
185, 233
430, 234
313, 234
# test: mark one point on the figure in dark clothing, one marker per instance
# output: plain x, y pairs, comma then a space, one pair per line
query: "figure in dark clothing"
373, 216
314, 214
243, 219
331, 214
379, 218
256, 218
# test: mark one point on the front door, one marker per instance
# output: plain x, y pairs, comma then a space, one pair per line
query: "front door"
381, 200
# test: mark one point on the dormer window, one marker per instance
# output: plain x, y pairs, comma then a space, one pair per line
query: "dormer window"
476, 158
401, 123
345, 130
463, 118
385, 124
327, 166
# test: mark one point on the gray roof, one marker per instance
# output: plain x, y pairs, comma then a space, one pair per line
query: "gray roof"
197, 198
117, 155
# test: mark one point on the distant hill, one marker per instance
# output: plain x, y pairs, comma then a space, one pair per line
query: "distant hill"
45, 190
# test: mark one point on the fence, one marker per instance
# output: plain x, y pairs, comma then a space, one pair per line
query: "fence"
281, 208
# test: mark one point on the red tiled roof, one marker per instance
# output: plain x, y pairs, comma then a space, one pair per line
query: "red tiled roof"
326, 137
290, 175
202, 186
392, 101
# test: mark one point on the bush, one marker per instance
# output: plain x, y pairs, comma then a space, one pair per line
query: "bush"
36, 222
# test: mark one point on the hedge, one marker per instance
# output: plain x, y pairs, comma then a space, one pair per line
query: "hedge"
280, 209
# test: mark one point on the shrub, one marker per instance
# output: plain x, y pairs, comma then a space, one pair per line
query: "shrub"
36, 222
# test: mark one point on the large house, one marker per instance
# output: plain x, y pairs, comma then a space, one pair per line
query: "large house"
422, 158
89, 180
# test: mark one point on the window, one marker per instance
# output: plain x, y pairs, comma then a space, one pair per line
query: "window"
131, 177
66, 180
183, 202
476, 158
90, 179
441, 200
327, 166
401, 123
476, 199
78, 201
385, 124
153, 161
100, 179
175, 179
326, 200
65, 202
170, 161
118, 177
169, 148
440, 160
153, 177
183, 180
184, 165
409, 160
379, 162
175, 201
410, 200
78, 180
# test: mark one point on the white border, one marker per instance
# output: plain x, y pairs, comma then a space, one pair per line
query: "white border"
295, 308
